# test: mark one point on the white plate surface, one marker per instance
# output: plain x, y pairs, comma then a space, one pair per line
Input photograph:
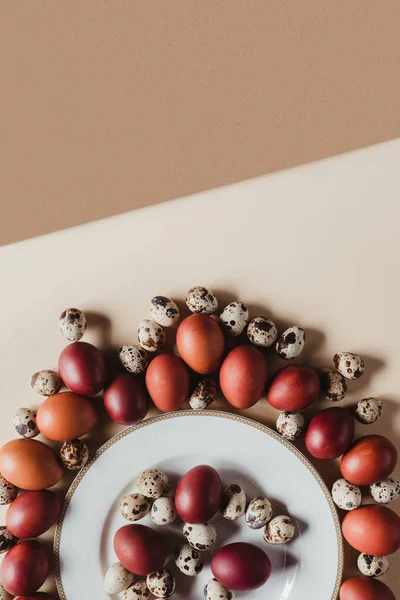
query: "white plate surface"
243, 452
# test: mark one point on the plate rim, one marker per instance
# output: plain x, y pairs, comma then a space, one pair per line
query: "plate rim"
201, 413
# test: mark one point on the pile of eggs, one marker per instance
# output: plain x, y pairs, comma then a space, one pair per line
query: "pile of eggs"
199, 496
215, 349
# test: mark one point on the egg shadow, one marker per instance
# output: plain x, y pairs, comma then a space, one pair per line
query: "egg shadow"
386, 425
373, 365
99, 327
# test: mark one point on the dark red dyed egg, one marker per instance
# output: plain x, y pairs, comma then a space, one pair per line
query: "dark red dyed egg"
241, 566
82, 368
24, 568
140, 549
330, 433
33, 513
126, 400
294, 388
198, 495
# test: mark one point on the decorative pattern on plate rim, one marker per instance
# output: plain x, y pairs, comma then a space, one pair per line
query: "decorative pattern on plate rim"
205, 413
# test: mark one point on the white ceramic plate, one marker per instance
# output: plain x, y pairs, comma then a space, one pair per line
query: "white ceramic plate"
242, 451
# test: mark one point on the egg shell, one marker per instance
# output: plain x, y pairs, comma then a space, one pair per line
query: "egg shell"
372, 529
372, 566
139, 549
200, 342
25, 423
241, 566
333, 385
8, 492
279, 530
137, 591
117, 579
161, 583
200, 536
133, 358
188, 560
29, 464
235, 318
164, 311
346, 495
385, 491
7, 539
365, 588
82, 368
233, 504
349, 365
134, 507
163, 511
294, 388
203, 395
291, 343
126, 399
46, 382
258, 513
72, 324
214, 590
167, 381
369, 410
370, 459
152, 483
74, 454
33, 513
243, 376
198, 495
151, 335
24, 568
66, 416
261, 331
290, 425
201, 300
330, 433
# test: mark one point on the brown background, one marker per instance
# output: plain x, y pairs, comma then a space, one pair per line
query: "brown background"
108, 106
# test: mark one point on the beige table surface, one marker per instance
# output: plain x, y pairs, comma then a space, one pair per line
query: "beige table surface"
318, 245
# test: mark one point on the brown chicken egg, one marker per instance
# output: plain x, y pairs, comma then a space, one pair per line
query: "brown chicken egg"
371, 458
243, 376
167, 381
66, 416
365, 588
294, 388
200, 342
33, 513
373, 529
29, 464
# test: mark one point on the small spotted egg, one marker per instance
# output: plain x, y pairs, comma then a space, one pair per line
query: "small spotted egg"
164, 311
262, 332
7, 540
201, 537
346, 495
372, 566
161, 583
134, 507
349, 365
385, 491
46, 382
188, 560
203, 395
201, 300
133, 358
151, 335
8, 491
233, 502
163, 511
74, 454
4, 595
234, 318
291, 343
280, 530
72, 324
258, 513
333, 385
214, 590
152, 483
137, 591
25, 423
369, 410
117, 579
290, 425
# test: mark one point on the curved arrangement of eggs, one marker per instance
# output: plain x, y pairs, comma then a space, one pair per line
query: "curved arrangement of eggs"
223, 347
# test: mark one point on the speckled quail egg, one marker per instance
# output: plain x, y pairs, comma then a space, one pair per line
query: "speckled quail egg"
349, 365
133, 358
135, 506
279, 530
8, 491
163, 511
214, 590
262, 332
235, 318
233, 502
258, 513
117, 579
7, 540
46, 382
152, 483
346, 495
74, 454
385, 491
72, 324
201, 300
4, 595
201, 537
203, 395
372, 566
290, 343
290, 425
137, 591
164, 311
161, 583
333, 385
188, 560
151, 335
369, 410
25, 423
